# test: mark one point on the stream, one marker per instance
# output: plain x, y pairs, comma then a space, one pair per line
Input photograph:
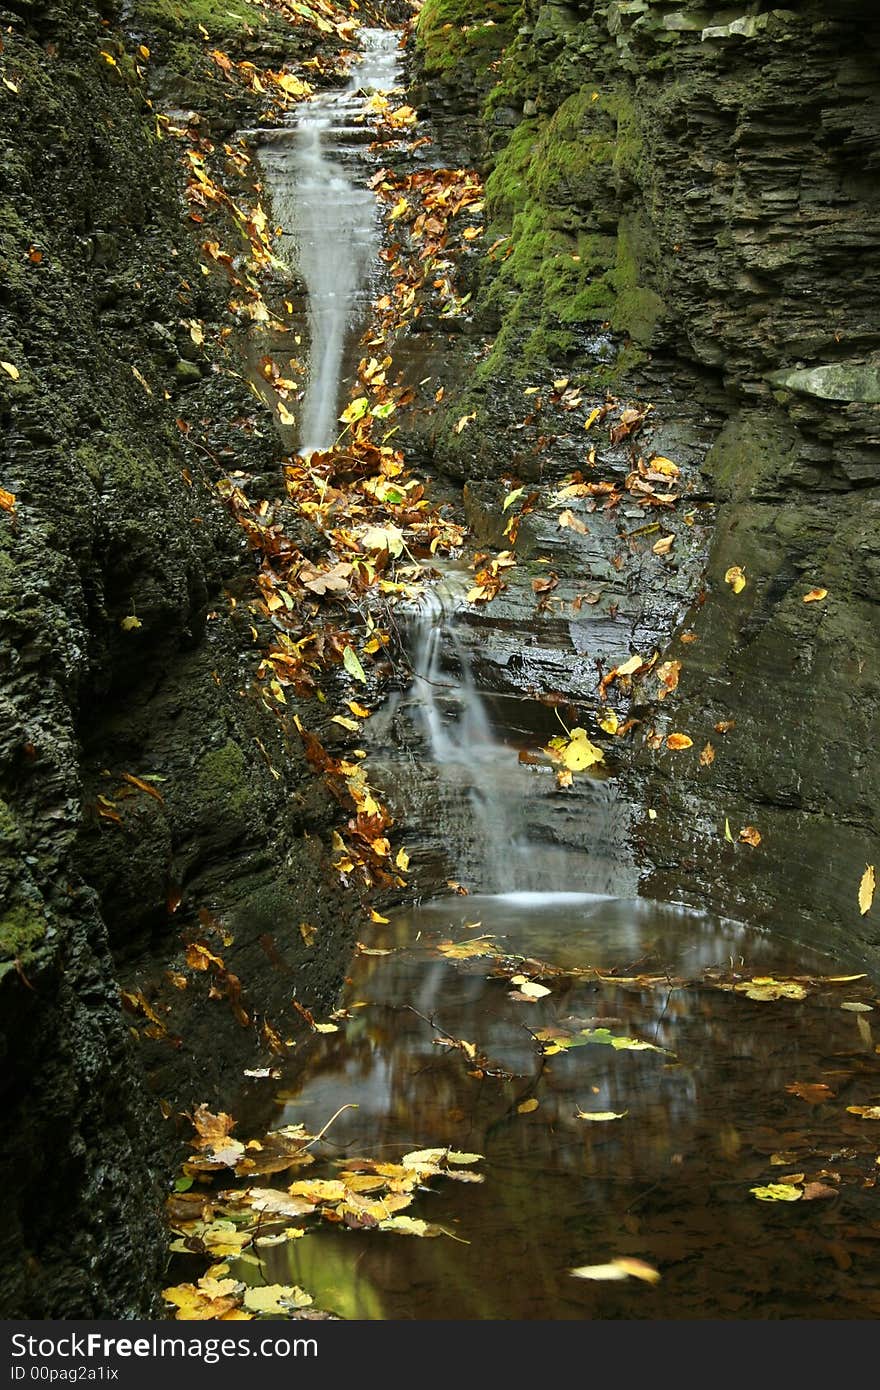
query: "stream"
725, 1090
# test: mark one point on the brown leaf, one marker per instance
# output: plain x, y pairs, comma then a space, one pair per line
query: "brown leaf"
815, 1093
750, 835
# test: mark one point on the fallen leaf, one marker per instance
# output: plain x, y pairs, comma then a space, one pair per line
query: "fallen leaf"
7, 500
735, 578
867, 1112
676, 741
707, 757
352, 664
308, 933
815, 595
749, 835
11, 370
600, 1115
763, 987
664, 545
777, 1192
275, 1299
866, 889
619, 1269
527, 1107
568, 519
618, 1042
580, 753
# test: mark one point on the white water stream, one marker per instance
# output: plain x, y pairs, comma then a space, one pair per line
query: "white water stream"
331, 224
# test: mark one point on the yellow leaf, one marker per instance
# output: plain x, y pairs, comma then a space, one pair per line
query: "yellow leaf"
377, 917
750, 835
527, 1107
130, 623
609, 722
402, 860
593, 417
664, 545
308, 933
108, 58
465, 420
777, 1192
763, 987
815, 595
630, 666
736, 579
600, 1115
7, 500
664, 466
580, 753
866, 889
867, 1112
326, 1027
11, 370
275, 1299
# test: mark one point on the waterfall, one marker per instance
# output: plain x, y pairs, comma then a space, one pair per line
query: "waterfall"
331, 225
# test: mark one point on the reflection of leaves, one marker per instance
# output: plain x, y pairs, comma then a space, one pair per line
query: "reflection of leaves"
812, 1092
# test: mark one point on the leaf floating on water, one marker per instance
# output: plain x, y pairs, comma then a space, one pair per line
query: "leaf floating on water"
326, 1027
619, 1269
736, 578
465, 950
764, 987
600, 1115
866, 889
527, 1106
867, 1112
620, 1043
275, 1300
529, 988
777, 1192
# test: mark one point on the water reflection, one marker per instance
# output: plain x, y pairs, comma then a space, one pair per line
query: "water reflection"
668, 1183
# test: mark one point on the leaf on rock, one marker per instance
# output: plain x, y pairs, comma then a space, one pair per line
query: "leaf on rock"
352, 664
736, 578
527, 1106
678, 741
749, 835
815, 595
866, 889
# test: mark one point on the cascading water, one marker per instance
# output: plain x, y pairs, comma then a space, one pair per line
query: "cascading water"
331, 224
449, 754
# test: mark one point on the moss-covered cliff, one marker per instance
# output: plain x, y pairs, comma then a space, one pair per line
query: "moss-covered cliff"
123, 659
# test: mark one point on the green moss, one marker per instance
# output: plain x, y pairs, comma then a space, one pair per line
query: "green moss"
572, 262
22, 927
451, 33
220, 17
221, 782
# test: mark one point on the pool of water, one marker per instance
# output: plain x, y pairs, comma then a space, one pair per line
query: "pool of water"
703, 1120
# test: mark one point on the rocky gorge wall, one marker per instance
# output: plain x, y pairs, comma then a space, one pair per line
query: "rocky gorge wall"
148, 798
682, 209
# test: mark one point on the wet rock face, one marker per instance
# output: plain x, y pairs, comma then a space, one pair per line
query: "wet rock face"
121, 659
691, 202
